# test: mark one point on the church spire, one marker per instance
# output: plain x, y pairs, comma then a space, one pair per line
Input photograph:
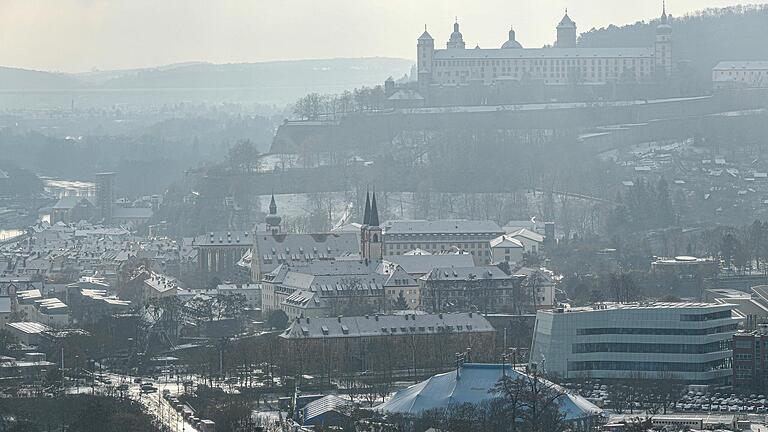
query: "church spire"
367, 212
273, 220
374, 221
663, 27
272, 205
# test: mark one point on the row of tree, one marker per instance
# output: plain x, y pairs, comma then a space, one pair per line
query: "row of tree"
746, 247
642, 206
80, 413
315, 106
701, 39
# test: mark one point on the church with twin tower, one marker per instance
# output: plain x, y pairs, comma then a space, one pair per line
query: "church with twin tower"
371, 234
562, 63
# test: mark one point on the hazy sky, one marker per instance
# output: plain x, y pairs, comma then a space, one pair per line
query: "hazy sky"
78, 35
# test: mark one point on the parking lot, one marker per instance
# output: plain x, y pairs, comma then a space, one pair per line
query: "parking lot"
687, 400
722, 402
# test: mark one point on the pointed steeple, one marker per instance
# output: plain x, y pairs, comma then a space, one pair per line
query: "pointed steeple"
663, 28
425, 36
367, 212
566, 22
272, 205
273, 220
374, 212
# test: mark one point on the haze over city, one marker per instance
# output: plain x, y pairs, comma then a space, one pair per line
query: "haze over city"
79, 35
383, 216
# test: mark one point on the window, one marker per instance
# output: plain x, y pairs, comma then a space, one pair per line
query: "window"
706, 317
660, 348
641, 366
656, 331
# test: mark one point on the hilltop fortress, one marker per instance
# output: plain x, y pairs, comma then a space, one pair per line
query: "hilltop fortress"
457, 75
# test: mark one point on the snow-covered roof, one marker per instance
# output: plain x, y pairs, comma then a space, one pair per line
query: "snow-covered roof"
443, 226
322, 406
472, 385
741, 65
406, 94
29, 327
505, 242
465, 274
528, 234
387, 325
422, 264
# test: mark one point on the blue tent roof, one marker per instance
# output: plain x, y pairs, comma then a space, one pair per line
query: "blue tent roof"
472, 386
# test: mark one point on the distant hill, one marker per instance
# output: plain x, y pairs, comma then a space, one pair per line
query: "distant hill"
100, 77
276, 82
328, 72
702, 38
290, 73
23, 79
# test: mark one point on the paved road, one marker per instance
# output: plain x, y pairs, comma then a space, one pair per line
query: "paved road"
154, 403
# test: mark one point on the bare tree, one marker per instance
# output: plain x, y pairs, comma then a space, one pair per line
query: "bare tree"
532, 403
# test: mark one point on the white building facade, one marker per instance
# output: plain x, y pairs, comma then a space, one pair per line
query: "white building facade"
689, 342
730, 74
507, 249
442, 236
565, 62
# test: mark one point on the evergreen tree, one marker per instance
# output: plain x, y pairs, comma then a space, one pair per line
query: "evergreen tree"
401, 303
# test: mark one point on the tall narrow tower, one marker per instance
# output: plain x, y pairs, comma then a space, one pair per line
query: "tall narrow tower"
273, 219
375, 235
566, 32
663, 47
105, 195
371, 238
425, 51
364, 227
457, 40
